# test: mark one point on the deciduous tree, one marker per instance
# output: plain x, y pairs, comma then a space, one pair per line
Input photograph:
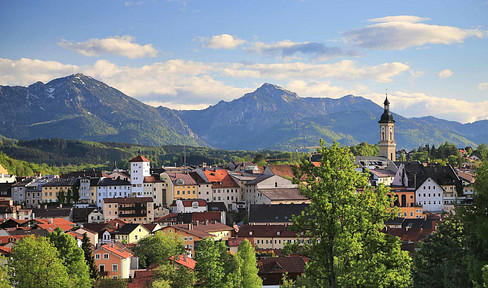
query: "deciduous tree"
73, 258
343, 222
248, 270
35, 264
158, 248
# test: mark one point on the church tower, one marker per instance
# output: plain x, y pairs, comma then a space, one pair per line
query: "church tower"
387, 133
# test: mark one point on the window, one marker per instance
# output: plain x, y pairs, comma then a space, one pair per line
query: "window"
97, 256
105, 256
115, 267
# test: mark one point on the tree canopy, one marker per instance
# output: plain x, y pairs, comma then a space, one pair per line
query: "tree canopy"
343, 222
158, 248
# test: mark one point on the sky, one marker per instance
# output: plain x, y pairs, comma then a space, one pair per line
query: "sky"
431, 57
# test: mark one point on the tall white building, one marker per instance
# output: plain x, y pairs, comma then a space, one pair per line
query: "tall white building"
140, 167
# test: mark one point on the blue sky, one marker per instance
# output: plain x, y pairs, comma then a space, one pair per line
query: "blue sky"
430, 55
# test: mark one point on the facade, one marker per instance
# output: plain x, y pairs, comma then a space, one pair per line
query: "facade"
204, 187
387, 143
51, 190
182, 186
130, 209
110, 188
131, 233
272, 189
154, 187
269, 236
189, 206
139, 168
224, 188
113, 261
429, 195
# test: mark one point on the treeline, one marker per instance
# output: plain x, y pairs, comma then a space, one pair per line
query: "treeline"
446, 153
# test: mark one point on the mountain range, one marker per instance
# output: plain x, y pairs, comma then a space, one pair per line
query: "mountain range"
80, 107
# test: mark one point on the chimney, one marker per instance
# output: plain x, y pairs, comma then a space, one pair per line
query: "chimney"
61, 205
51, 220
185, 257
45, 206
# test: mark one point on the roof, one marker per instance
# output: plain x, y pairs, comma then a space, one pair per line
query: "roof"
276, 194
220, 178
216, 206
181, 178
60, 182
112, 182
282, 170
141, 279
54, 212
266, 213
185, 261
466, 176
386, 117
197, 178
3, 170
81, 214
259, 179
128, 228
127, 200
189, 202
382, 173
202, 230
117, 250
152, 179
280, 265
273, 230
140, 158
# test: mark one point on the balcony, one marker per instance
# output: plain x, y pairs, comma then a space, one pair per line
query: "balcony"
103, 273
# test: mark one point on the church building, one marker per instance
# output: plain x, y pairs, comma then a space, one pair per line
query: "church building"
387, 143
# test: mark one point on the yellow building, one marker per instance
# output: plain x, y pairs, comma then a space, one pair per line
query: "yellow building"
50, 191
179, 186
131, 233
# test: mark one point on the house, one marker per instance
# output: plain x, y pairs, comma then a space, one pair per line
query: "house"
87, 186
185, 218
80, 214
263, 214
51, 190
272, 269
467, 180
130, 209
113, 261
131, 233
33, 190
111, 188
273, 236
224, 188
140, 167
285, 171
180, 186
189, 206
204, 187
95, 216
19, 189
193, 233
154, 187
51, 212
273, 189
92, 235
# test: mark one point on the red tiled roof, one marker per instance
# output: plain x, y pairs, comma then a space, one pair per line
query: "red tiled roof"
187, 179
202, 230
151, 179
140, 158
220, 178
188, 202
282, 170
185, 261
5, 250
117, 250
167, 218
141, 279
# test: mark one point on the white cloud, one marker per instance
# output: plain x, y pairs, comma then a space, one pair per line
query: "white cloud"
418, 104
345, 69
483, 86
446, 73
123, 46
222, 41
27, 71
288, 48
321, 89
132, 3
400, 32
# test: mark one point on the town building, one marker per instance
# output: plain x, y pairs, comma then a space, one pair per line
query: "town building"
273, 189
131, 233
130, 209
140, 167
111, 188
113, 261
387, 143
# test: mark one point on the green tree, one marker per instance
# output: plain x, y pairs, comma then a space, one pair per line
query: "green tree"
4, 277
343, 222
90, 260
170, 275
61, 197
69, 196
35, 264
111, 283
73, 258
158, 248
475, 220
438, 261
482, 151
76, 194
211, 269
248, 270
365, 149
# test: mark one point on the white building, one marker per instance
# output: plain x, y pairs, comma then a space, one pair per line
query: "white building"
271, 189
140, 167
430, 196
189, 206
110, 188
